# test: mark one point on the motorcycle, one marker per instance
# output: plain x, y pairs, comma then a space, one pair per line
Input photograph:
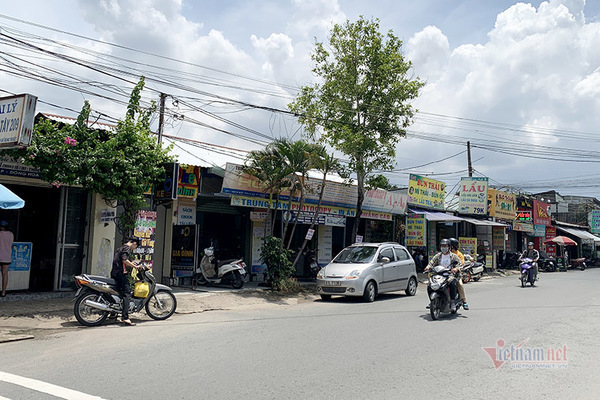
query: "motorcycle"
312, 264
547, 264
527, 272
578, 263
473, 270
97, 297
231, 271
438, 289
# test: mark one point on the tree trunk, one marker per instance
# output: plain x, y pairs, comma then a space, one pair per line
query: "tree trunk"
360, 177
313, 222
302, 197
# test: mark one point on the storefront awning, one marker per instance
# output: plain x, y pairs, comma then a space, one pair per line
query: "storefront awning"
580, 233
483, 222
9, 200
437, 216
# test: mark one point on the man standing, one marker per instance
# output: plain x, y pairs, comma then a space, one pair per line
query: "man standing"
120, 264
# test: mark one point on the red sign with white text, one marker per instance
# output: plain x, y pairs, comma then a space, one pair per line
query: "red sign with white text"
541, 213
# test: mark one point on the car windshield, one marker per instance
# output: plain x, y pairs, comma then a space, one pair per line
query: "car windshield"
361, 254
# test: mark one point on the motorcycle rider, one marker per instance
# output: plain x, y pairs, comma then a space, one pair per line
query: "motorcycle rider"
459, 283
534, 255
120, 264
446, 258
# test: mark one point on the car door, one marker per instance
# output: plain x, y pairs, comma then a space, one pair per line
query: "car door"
406, 267
390, 270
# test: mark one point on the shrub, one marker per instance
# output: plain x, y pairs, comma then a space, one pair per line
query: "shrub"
277, 260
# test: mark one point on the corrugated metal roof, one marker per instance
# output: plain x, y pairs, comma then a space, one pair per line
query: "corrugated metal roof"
91, 123
192, 152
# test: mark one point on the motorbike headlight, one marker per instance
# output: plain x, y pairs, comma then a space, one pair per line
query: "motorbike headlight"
353, 275
321, 274
434, 285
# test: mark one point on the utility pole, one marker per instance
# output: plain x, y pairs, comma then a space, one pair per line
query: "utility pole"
470, 167
161, 116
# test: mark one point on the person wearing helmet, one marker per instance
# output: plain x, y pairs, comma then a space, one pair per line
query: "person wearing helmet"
459, 283
445, 258
534, 255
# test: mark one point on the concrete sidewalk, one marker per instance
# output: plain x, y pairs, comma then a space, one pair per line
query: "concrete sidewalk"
30, 315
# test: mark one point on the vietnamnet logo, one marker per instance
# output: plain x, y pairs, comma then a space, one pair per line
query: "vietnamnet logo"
521, 356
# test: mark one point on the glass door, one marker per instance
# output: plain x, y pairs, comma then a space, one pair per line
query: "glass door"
72, 236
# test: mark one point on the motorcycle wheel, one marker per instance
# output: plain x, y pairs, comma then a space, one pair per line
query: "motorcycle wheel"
161, 305
523, 280
86, 315
466, 277
236, 280
434, 308
582, 266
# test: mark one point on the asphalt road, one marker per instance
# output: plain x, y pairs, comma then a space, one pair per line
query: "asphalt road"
340, 349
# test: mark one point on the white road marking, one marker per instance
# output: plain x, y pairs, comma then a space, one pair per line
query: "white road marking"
45, 387
4, 398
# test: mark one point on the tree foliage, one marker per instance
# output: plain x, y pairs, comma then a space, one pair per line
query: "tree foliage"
362, 102
116, 164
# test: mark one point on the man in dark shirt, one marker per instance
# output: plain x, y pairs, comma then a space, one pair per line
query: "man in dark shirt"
119, 273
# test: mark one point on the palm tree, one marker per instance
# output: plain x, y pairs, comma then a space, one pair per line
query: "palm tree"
266, 166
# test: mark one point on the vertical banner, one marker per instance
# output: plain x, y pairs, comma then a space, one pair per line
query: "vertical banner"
145, 226
425, 192
497, 238
20, 266
595, 221
183, 252
258, 234
541, 213
416, 230
473, 197
167, 188
325, 244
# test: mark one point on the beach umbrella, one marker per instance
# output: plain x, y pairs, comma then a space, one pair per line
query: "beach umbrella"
9, 200
562, 241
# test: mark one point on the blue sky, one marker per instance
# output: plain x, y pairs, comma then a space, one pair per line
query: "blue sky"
521, 81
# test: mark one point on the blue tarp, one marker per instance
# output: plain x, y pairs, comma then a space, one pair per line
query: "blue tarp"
9, 200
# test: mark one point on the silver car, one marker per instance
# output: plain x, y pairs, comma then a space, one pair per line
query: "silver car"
367, 269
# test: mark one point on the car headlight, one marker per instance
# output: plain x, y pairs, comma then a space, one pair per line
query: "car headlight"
321, 274
353, 275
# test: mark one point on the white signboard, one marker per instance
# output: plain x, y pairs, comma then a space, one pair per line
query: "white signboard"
309, 234
473, 195
186, 215
107, 215
325, 245
16, 120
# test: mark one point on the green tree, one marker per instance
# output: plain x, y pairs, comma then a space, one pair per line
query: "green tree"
116, 164
362, 102
379, 182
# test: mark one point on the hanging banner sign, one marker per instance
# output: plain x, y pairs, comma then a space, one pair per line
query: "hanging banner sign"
145, 227
501, 204
167, 189
523, 226
425, 192
415, 230
17, 114
541, 213
473, 196
497, 238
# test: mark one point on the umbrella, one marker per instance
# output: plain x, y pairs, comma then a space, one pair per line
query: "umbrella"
561, 240
9, 200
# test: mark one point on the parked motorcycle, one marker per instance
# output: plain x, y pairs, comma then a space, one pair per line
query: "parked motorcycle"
232, 272
473, 270
527, 272
312, 264
578, 263
547, 264
438, 289
97, 297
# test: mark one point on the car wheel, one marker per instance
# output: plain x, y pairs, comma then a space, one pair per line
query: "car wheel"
370, 292
411, 290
